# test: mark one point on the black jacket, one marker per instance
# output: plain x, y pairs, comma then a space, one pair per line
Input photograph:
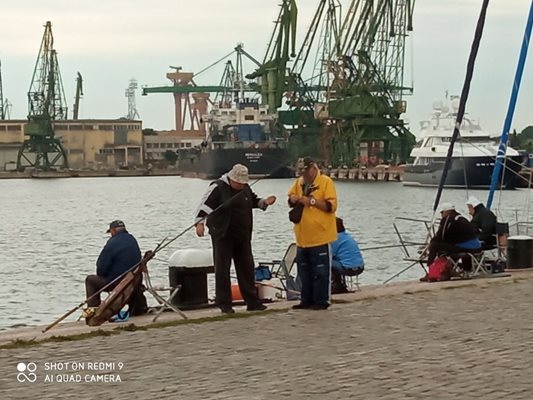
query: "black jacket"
455, 229
120, 254
235, 215
484, 221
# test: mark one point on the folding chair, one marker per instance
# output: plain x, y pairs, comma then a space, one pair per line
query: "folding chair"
282, 269
477, 260
351, 274
165, 304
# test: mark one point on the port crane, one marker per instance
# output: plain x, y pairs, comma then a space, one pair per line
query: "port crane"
46, 103
351, 91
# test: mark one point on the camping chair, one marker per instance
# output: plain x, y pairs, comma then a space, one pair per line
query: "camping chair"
282, 269
349, 275
165, 303
477, 260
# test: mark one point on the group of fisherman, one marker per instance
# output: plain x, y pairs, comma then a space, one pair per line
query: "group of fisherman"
457, 235
325, 251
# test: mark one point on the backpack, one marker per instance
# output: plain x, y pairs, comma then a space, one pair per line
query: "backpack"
439, 270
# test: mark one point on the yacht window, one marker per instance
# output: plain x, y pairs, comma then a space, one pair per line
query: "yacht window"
422, 161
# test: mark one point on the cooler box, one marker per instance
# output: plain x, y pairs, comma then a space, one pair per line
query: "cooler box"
189, 268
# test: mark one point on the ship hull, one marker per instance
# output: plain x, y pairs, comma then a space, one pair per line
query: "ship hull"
471, 172
211, 164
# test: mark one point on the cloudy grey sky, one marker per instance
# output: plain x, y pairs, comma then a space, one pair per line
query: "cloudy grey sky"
111, 41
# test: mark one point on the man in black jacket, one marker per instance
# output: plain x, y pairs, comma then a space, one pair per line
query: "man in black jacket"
455, 234
484, 221
120, 254
227, 207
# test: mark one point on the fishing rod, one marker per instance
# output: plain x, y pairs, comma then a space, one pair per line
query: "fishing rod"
165, 242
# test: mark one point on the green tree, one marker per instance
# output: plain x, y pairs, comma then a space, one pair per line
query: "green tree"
171, 156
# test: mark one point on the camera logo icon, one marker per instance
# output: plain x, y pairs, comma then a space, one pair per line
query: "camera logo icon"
26, 372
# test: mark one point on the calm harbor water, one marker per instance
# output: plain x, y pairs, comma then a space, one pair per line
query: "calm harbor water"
52, 230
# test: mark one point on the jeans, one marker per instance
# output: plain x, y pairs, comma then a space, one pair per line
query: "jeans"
314, 270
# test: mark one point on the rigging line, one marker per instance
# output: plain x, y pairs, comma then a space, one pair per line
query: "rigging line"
509, 159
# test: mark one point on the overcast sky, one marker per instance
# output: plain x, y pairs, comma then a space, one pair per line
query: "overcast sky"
111, 41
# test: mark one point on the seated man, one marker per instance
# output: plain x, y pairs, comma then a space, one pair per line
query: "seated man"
484, 221
455, 235
347, 259
120, 254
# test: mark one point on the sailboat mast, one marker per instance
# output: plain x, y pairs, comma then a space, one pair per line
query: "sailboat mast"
502, 148
462, 101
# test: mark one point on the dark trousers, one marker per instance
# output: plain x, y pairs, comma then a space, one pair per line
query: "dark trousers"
136, 303
240, 250
314, 270
93, 283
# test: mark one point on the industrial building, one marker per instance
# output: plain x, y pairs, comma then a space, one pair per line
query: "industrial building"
156, 145
93, 144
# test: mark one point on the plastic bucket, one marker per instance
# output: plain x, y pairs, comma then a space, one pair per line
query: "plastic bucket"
236, 293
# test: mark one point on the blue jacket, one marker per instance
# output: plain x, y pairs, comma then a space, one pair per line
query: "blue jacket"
120, 254
346, 251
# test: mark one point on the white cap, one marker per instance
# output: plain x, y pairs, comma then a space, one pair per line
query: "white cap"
446, 207
473, 201
239, 174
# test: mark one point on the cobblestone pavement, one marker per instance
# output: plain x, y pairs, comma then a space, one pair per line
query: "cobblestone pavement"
461, 343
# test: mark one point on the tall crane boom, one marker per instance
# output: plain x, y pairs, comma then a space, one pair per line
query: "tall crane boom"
273, 71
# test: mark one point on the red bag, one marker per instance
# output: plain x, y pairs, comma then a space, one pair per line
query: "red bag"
439, 270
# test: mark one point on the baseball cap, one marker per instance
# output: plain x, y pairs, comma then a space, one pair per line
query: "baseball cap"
308, 162
116, 224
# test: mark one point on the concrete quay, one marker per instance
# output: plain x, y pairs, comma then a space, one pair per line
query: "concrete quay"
453, 340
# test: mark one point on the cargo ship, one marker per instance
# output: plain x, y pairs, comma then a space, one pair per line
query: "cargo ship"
239, 132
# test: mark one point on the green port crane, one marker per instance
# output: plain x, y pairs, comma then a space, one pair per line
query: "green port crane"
351, 91
46, 103
272, 73
365, 99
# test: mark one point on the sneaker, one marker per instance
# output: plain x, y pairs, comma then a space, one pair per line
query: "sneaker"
88, 312
320, 307
302, 306
227, 310
258, 307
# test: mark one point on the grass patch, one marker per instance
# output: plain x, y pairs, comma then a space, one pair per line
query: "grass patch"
23, 343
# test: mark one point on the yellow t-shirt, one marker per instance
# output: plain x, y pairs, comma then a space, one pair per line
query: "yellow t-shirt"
316, 227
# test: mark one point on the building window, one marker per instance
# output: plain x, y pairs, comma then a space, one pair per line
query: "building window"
106, 151
148, 145
188, 144
248, 117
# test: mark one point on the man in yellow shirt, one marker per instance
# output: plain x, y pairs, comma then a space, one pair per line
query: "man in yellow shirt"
313, 199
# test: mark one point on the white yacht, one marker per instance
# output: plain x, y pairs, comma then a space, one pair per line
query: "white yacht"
473, 155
